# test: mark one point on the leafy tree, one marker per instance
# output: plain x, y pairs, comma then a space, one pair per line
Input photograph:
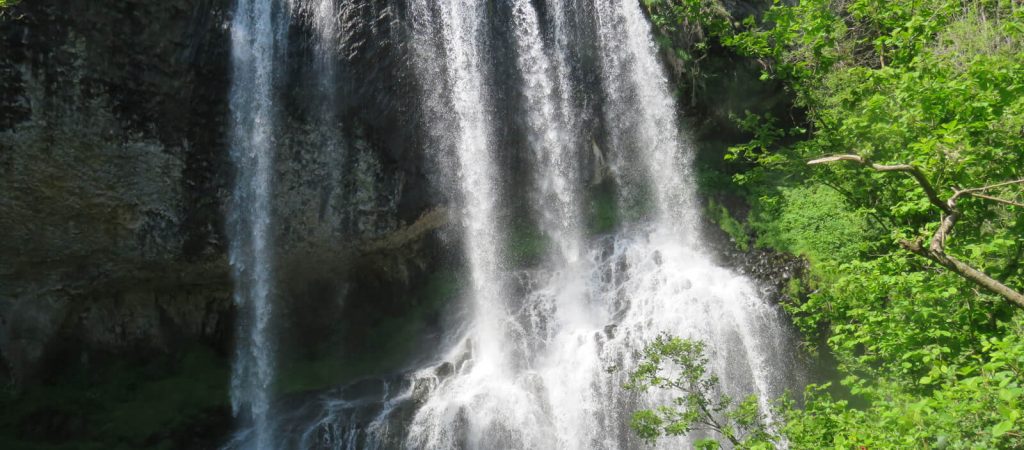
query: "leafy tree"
965, 406
936, 249
679, 366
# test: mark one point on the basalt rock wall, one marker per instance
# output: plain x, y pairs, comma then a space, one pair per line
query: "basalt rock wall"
115, 174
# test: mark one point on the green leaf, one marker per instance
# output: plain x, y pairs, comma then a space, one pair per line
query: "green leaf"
1002, 428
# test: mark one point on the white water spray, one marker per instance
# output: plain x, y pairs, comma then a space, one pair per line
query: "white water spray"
470, 140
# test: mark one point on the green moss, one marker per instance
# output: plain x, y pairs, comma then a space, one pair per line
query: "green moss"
319, 373
815, 222
603, 216
394, 340
526, 245
120, 405
736, 230
441, 288
199, 385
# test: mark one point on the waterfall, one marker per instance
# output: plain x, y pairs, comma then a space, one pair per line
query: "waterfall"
323, 18
255, 38
640, 114
745, 335
582, 315
540, 354
468, 144
259, 32
452, 39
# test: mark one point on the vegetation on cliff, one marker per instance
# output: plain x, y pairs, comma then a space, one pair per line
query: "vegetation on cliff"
930, 355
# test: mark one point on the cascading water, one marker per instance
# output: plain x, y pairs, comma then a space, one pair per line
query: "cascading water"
530, 365
470, 142
458, 30
554, 159
640, 115
679, 290
255, 37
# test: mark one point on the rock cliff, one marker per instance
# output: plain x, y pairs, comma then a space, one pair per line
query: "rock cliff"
115, 174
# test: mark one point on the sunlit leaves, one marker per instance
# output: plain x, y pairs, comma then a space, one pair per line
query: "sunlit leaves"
931, 360
679, 367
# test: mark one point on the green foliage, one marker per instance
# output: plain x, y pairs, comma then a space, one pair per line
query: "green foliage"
932, 360
896, 96
704, 17
973, 405
679, 366
119, 405
812, 221
688, 29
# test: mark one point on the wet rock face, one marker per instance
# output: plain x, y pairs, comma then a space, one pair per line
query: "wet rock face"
115, 172
111, 165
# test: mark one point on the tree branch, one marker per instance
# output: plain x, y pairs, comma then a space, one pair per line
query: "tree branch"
993, 186
936, 250
998, 200
977, 192
918, 175
974, 275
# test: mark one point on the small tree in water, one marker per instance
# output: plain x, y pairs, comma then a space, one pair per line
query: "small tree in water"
679, 366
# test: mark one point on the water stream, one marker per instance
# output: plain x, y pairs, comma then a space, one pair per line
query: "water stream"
255, 39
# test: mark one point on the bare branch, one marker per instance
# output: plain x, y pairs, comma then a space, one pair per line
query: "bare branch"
831, 159
977, 192
993, 186
998, 200
918, 175
945, 229
970, 273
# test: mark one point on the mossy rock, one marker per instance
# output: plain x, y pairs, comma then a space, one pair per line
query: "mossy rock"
603, 215
393, 341
527, 245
